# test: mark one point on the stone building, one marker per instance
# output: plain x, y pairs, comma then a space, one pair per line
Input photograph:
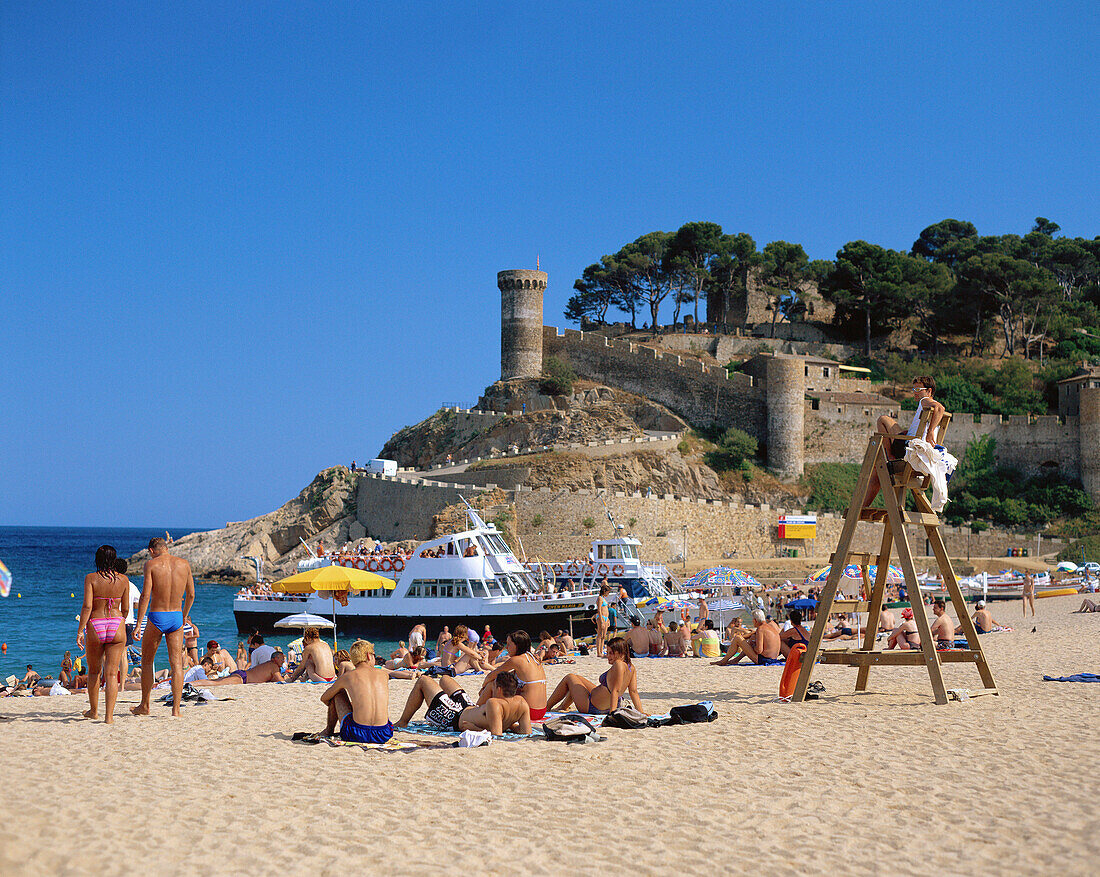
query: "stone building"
1069, 389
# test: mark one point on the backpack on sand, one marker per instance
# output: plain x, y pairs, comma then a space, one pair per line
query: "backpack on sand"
692, 713
627, 717
571, 728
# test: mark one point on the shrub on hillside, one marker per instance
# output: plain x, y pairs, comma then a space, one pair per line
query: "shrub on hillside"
557, 377
733, 448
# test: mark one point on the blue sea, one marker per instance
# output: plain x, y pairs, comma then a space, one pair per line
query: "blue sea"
38, 620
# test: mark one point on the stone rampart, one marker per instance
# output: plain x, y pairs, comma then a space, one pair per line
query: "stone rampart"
391, 508
701, 394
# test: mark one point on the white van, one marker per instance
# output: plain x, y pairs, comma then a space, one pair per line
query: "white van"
382, 467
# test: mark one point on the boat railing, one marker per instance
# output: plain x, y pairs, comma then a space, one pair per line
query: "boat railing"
280, 598
541, 598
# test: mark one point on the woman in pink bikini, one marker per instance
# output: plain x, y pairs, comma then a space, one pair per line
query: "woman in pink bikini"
102, 629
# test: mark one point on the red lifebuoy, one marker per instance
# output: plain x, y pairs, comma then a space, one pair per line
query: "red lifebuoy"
602, 569
617, 569
791, 670
385, 565
360, 563
372, 564
587, 572
557, 568
571, 569
398, 564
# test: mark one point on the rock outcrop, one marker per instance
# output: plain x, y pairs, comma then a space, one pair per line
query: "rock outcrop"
324, 510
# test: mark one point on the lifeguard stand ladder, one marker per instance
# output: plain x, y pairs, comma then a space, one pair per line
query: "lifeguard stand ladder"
896, 477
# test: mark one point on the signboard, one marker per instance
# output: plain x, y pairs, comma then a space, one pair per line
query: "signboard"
798, 526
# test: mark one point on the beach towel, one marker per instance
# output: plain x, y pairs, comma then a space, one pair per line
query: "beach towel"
1076, 677
422, 727
768, 662
935, 461
312, 739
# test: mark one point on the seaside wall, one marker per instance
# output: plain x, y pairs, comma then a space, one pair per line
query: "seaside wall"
392, 508
701, 394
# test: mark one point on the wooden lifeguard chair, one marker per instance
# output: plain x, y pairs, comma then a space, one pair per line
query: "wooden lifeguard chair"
896, 479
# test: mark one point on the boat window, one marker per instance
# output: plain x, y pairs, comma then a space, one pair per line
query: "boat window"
480, 587
601, 552
494, 588
450, 548
630, 552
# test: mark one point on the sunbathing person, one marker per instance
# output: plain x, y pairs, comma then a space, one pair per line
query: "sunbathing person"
610, 693
794, 634
705, 642
269, 671
656, 638
566, 642
843, 628
449, 709
983, 618
417, 659
463, 656
638, 637
943, 628
359, 700
673, 641
528, 671
316, 664
759, 647
886, 621
905, 635
545, 641
1087, 605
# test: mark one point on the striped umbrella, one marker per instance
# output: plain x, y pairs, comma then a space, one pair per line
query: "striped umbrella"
721, 575
894, 575
5, 580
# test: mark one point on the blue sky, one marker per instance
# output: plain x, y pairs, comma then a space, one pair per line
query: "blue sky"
243, 242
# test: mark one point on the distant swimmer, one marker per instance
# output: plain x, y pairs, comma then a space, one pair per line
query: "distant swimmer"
168, 583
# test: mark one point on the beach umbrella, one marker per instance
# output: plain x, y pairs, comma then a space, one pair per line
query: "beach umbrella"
803, 603
333, 580
721, 575
894, 575
303, 620
5, 580
1064, 566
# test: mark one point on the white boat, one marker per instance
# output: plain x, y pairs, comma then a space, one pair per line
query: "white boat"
475, 580
1005, 585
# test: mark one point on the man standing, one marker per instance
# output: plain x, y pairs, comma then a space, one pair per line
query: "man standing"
167, 583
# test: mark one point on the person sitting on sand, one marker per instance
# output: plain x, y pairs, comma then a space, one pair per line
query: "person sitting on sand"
268, 671
736, 628
794, 634
616, 683
656, 639
545, 641
983, 619
449, 709
359, 700
705, 643
556, 655
759, 647
30, 677
1087, 605
316, 664
905, 635
943, 628
673, 641
528, 671
223, 661
400, 652
886, 621
566, 642
463, 656
417, 659
638, 637
842, 629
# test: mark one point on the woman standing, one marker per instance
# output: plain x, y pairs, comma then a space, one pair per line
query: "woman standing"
102, 628
602, 622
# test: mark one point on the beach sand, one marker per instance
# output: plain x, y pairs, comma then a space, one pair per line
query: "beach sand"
852, 784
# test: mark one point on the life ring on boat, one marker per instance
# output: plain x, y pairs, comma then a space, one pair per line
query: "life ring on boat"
360, 563
571, 569
398, 564
586, 570
791, 670
602, 569
617, 569
557, 568
372, 564
385, 565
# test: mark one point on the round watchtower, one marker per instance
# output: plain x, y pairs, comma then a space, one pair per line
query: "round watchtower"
786, 394
1088, 436
521, 322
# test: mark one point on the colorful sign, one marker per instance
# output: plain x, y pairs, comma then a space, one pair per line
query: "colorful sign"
798, 526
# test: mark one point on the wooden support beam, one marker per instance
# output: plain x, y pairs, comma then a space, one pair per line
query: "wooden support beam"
910, 658
925, 520
878, 596
860, 557
849, 606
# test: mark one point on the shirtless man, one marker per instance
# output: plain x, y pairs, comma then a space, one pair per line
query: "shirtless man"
450, 710
167, 583
923, 388
221, 657
886, 621
1029, 594
983, 618
528, 671
943, 628
359, 700
268, 671
316, 663
760, 645
638, 637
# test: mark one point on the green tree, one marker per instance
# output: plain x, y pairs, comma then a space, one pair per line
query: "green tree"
644, 261
866, 284
692, 253
733, 449
600, 286
784, 268
941, 242
557, 377
737, 256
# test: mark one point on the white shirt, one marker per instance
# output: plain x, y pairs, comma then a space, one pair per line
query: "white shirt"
135, 598
261, 655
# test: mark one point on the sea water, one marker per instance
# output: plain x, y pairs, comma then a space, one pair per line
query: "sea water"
38, 620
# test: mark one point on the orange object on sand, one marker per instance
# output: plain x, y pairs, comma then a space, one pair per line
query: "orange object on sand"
790, 671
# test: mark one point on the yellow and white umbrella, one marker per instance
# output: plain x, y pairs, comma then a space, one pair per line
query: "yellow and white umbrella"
336, 580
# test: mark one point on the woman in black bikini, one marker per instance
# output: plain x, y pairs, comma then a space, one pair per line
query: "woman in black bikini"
610, 693
793, 635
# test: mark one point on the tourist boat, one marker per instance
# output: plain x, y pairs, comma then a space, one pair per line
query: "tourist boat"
476, 580
619, 561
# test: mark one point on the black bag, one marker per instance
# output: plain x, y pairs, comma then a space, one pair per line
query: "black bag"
582, 649
627, 717
571, 728
692, 713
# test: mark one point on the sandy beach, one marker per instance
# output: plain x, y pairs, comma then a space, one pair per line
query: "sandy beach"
855, 784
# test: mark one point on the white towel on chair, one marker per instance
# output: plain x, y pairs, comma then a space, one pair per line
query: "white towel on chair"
934, 461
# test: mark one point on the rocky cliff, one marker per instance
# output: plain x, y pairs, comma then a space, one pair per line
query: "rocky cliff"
324, 510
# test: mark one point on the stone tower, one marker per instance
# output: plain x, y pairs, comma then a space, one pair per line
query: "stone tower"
521, 322
786, 394
1088, 436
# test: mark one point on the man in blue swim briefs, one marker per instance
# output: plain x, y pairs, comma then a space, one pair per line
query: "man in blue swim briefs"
360, 699
168, 581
